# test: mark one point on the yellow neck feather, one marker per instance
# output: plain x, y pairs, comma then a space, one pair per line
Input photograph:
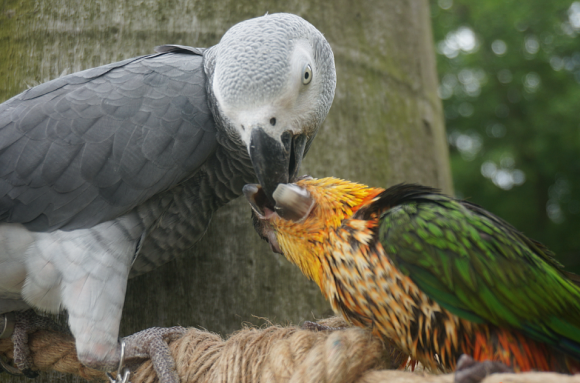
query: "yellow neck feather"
336, 200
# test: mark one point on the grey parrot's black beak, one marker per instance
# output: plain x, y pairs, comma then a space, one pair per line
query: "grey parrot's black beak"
276, 161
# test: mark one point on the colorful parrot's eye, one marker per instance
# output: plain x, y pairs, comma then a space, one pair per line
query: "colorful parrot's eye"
306, 74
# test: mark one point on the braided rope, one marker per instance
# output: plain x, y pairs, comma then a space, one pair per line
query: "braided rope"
272, 354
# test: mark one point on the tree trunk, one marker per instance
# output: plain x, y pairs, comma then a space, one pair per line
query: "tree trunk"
385, 127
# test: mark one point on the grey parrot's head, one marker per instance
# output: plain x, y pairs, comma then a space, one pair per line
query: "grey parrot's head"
273, 82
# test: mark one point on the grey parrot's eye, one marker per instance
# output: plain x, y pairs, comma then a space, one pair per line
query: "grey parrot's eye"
306, 74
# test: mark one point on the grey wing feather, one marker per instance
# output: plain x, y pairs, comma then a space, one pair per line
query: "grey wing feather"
178, 48
90, 146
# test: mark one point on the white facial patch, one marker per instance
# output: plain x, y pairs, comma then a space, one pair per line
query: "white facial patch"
290, 109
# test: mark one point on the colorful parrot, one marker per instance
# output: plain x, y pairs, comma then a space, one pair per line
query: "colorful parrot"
438, 277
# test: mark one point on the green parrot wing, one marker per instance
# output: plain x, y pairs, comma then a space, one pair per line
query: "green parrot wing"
479, 267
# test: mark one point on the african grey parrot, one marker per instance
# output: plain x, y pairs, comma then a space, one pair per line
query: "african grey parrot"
122, 166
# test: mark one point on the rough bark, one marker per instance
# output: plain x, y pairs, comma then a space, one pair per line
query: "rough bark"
385, 127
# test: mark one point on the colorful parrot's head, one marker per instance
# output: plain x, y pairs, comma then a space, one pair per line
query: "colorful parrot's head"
306, 213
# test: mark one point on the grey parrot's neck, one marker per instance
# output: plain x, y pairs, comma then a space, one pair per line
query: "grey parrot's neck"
231, 167
179, 217
227, 171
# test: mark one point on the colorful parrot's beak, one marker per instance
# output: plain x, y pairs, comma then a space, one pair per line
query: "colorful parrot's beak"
258, 201
292, 202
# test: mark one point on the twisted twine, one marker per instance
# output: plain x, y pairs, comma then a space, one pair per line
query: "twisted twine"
268, 355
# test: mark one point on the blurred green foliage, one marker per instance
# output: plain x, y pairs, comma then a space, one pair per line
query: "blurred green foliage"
510, 82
